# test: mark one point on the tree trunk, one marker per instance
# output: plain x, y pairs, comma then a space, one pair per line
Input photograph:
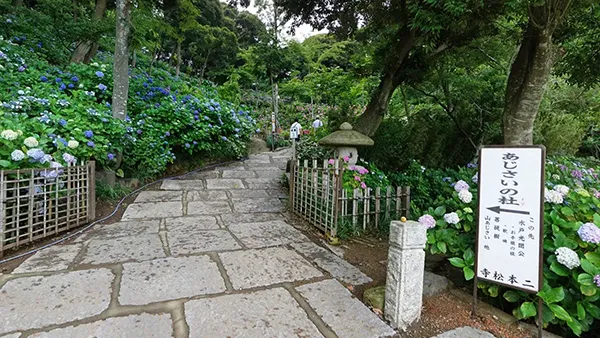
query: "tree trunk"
204, 67
526, 84
121, 63
91, 53
371, 118
86, 50
178, 67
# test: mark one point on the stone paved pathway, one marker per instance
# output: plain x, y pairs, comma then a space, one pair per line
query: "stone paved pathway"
210, 255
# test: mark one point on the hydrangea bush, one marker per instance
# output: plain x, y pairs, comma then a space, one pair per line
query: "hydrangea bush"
49, 114
571, 290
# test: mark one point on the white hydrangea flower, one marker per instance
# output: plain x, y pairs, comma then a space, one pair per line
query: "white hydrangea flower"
31, 142
562, 189
9, 135
17, 155
20, 132
451, 218
465, 196
553, 196
567, 257
73, 144
555, 177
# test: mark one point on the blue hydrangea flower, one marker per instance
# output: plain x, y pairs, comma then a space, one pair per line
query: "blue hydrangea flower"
139, 131
102, 87
88, 133
91, 144
43, 78
62, 86
167, 134
62, 122
224, 138
187, 145
195, 143
99, 74
111, 156
58, 80
71, 86
21, 69
588, 232
36, 154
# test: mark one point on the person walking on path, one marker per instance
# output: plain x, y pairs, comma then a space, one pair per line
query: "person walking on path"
317, 124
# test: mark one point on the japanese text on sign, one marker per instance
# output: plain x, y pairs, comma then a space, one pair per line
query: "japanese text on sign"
511, 187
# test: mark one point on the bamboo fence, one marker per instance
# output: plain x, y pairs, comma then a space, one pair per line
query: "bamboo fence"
318, 196
40, 202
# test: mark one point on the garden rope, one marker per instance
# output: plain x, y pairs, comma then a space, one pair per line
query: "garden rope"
80, 231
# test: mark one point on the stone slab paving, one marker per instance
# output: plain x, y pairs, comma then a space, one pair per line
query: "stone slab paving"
153, 210
239, 174
229, 219
159, 196
245, 205
12, 335
264, 234
54, 258
225, 183
249, 194
207, 195
188, 243
262, 183
465, 331
208, 208
265, 314
182, 185
212, 253
332, 263
134, 326
192, 223
127, 228
251, 268
35, 302
169, 278
115, 250
347, 316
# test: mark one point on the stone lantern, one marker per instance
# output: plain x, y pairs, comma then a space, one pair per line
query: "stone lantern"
345, 141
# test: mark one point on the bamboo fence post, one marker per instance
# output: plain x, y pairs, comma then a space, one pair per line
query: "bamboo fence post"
315, 183
2, 211
398, 202
306, 187
387, 201
91, 191
18, 211
355, 198
338, 174
406, 201
377, 206
31, 203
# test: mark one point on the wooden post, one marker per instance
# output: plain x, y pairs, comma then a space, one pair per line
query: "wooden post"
388, 193
31, 204
406, 201
2, 211
398, 202
355, 198
377, 206
292, 177
91, 191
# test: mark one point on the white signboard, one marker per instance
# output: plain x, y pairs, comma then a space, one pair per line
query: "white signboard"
510, 227
273, 121
294, 130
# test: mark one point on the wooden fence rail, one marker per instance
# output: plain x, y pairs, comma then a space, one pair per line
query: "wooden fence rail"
317, 195
41, 202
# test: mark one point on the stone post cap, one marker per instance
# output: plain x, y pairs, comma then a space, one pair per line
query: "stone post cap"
408, 235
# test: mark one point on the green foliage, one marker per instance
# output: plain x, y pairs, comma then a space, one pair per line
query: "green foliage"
167, 116
308, 149
571, 296
105, 192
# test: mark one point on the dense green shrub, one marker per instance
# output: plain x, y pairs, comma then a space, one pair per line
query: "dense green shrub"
67, 113
571, 295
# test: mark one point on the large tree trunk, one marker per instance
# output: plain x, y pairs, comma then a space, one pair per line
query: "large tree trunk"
86, 50
178, 67
371, 118
526, 84
121, 63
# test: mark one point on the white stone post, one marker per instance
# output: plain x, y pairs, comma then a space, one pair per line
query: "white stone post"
406, 264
